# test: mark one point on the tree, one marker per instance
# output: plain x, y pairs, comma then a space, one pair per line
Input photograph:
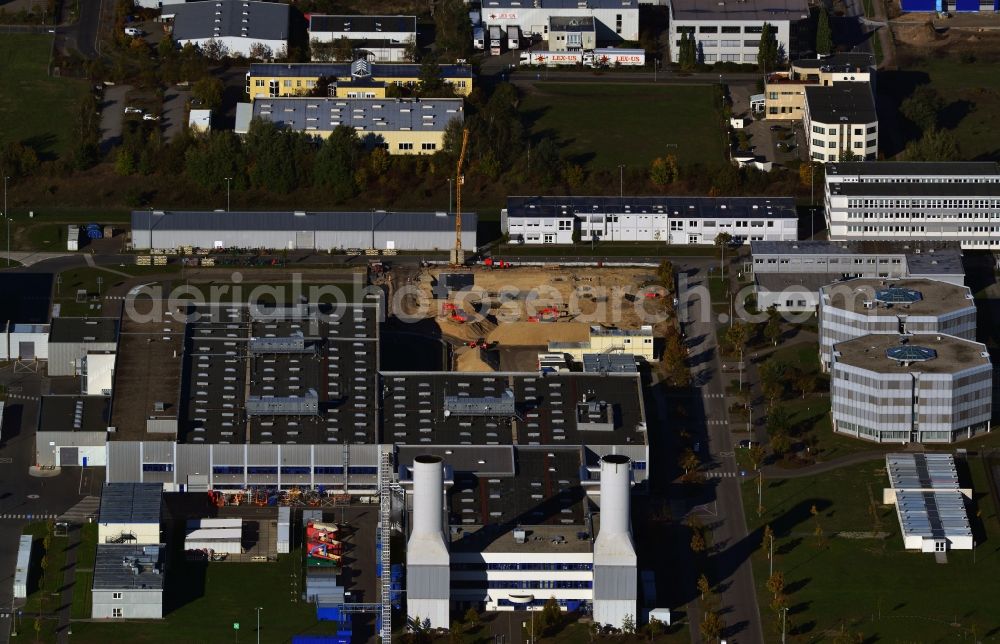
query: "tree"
654, 628
824, 35
806, 176
208, 90
722, 240
628, 625
429, 79
768, 55
923, 108
687, 52
214, 50
124, 163
704, 587
934, 145
216, 157
780, 443
697, 542
17, 160
778, 420
768, 537
260, 51
711, 625
805, 382
453, 30
342, 50
335, 163
737, 334
665, 275
663, 170
472, 618
772, 330
776, 583
689, 461
756, 455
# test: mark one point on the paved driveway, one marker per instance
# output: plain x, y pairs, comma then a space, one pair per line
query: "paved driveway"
112, 113
172, 120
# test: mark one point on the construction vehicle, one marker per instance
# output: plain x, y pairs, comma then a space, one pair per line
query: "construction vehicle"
492, 264
481, 343
458, 256
453, 312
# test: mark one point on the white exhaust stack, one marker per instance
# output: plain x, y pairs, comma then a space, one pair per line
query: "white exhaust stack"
615, 562
428, 587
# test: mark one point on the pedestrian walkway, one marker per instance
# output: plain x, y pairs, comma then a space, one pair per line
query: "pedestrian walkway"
69, 581
82, 511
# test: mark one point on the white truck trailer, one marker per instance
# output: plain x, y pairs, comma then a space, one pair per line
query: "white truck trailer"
610, 57
513, 38
551, 58
496, 40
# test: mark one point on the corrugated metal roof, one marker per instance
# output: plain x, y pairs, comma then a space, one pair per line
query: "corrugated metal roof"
231, 19
130, 503
686, 207
382, 221
127, 567
343, 70
354, 24
933, 514
921, 471
913, 168
374, 115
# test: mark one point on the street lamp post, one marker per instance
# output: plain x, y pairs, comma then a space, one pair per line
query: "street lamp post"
258, 609
228, 180
6, 216
812, 223
784, 612
449, 194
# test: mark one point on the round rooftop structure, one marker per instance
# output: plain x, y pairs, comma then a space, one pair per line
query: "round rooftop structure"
898, 295
910, 353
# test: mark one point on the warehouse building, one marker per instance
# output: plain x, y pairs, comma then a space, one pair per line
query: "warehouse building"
929, 201
859, 307
71, 339
930, 504
300, 230
729, 32
911, 388
25, 342
572, 34
244, 28
398, 125
841, 122
72, 430
360, 77
671, 220
943, 6
788, 275
128, 582
785, 92
130, 514
615, 20
520, 530
375, 38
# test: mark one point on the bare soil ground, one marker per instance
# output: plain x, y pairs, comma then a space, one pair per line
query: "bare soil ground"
972, 33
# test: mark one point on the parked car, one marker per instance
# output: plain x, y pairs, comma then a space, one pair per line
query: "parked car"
150, 117
133, 110
134, 32
747, 444
776, 128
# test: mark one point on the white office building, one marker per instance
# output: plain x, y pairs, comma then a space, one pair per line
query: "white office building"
890, 388
915, 201
840, 121
671, 220
730, 31
615, 20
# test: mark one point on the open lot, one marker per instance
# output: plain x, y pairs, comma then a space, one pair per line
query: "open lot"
603, 125
35, 109
870, 585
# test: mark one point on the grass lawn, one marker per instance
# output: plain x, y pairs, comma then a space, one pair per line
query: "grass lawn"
603, 125
84, 574
43, 588
208, 599
605, 249
871, 586
35, 109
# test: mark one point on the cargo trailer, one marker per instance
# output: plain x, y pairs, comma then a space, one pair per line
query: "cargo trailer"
551, 58
610, 57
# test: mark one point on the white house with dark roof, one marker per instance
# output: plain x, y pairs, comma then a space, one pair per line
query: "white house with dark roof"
841, 121
238, 26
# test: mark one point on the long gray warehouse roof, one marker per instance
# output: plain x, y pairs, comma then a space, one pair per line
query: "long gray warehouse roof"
697, 207
343, 70
914, 168
363, 114
230, 18
746, 10
83, 330
921, 258
130, 503
287, 220
557, 4
915, 189
353, 24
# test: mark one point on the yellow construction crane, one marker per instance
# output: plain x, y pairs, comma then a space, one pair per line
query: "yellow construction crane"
458, 257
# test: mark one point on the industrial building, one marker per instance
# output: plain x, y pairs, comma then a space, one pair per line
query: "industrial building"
859, 307
615, 20
300, 230
841, 122
788, 275
605, 341
729, 32
930, 504
246, 28
70, 341
398, 125
519, 530
785, 92
72, 430
22, 568
911, 388
128, 582
671, 220
374, 38
942, 6
130, 513
929, 201
24, 342
572, 34
271, 80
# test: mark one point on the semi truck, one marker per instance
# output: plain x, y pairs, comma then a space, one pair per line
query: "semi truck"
551, 58
496, 40
610, 57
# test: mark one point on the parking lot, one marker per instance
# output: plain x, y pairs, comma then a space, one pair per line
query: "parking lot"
780, 142
174, 111
112, 114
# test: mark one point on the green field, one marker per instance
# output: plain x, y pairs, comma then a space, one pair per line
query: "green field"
606, 124
35, 109
871, 586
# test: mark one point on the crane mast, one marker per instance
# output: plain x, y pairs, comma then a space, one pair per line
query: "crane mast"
458, 256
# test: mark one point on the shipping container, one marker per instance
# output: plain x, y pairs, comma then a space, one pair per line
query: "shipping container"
73, 237
513, 37
496, 40
479, 38
611, 57
23, 566
551, 58
284, 529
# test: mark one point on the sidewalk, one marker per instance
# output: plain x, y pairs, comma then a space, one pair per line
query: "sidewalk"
69, 581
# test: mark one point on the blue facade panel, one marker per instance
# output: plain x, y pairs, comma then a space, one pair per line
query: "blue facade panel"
919, 5
967, 5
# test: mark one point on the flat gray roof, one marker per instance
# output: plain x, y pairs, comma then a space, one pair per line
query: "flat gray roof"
914, 471
557, 4
934, 297
74, 413
353, 24
229, 19
609, 362
914, 168
841, 103
125, 567
751, 10
83, 330
693, 207
921, 257
836, 61
364, 115
951, 354
343, 70
289, 220
572, 23
130, 503
912, 189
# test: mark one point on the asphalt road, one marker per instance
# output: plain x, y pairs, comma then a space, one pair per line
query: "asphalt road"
83, 36
172, 118
722, 511
113, 114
